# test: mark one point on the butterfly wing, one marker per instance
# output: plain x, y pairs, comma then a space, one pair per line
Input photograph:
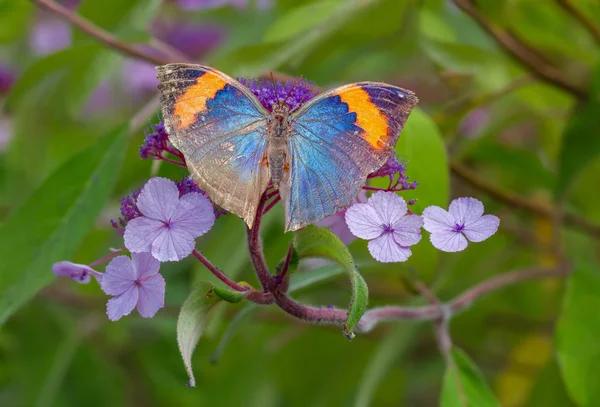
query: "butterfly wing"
336, 140
220, 127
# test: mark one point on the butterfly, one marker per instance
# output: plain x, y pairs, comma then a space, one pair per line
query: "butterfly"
318, 156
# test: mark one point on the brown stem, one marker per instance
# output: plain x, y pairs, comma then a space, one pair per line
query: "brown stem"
582, 18
101, 34
519, 202
442, 311
521, 52
218, 273
255, 248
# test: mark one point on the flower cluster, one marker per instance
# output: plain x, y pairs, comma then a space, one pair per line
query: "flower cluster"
161, 223
157, 146
384, 221
267, 92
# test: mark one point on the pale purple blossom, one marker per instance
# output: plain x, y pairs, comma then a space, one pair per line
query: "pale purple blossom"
383, 220
49, 35
336, 223
133, 283
80, 273
464, 220
169, 224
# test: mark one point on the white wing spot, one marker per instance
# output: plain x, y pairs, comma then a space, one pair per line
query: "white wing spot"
400, 95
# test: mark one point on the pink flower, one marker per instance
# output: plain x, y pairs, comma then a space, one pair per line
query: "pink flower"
450, 230
77, 272
133, 282
384, 222
169, 225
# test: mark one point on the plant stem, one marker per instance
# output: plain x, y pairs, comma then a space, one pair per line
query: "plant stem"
218, 273
102, 35
107, 257
521, 52
255, 248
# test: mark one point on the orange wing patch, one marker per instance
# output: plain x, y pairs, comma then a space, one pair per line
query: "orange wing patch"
368, 116
193, 100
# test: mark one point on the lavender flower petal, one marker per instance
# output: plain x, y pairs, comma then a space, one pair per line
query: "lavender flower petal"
119, 277
363, 221
144, 265
436, 219
194, 214
172, 245
151, 295
80, 273
140, 234
158, 199
123, 304
465, 210
407, 231
386, 250
482, 228
449, 241
389, 206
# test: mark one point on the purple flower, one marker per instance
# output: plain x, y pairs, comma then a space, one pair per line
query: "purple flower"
77, 272
295, 94
336, 223
7, 78
208, 4
49, 35
133, 282
464, 219
382, 220
193, 40
396, 171
157, 142
169, 224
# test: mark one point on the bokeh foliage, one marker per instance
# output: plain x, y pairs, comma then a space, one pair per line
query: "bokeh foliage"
68, 163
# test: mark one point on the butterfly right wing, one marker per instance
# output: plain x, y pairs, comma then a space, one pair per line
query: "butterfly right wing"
220, 127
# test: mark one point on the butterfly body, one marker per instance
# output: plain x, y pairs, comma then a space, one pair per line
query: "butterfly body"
278, 132
318, 156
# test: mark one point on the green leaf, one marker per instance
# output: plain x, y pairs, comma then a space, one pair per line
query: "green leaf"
577, 334
393, 347
52, 223
14, 19
195, 316
580, 143
313, 241
71, 75
300, 19
464, 386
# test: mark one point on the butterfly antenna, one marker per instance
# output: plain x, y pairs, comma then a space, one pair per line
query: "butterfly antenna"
296, 82
274, 85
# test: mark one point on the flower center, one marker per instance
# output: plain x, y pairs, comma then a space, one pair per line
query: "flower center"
458, 227
387, 228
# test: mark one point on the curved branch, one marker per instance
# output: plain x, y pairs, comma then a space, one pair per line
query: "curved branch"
520, 202
101, 34
582, 18
521, 52
437, 311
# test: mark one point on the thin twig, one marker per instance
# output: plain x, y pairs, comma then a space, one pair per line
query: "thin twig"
218, 273
582, 18
255, 248
521, 52
100, 34
520, 202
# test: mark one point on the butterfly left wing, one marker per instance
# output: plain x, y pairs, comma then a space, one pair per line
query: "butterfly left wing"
220, 127
336, 140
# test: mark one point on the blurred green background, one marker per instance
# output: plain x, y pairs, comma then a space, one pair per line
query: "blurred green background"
509, 114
